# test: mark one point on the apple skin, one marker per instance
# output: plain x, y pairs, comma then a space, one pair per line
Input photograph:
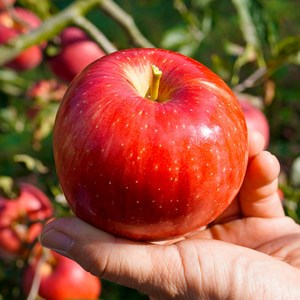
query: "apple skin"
256, 120
10, 29
77, 51
20, 220
61, 279
143, 169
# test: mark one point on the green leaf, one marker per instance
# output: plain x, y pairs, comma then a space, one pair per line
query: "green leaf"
32, 164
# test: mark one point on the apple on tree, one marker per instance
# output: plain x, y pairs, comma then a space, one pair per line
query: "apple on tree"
60, 278
43, 92
149, 144
255, 119
76, 51
20, 220
12, 25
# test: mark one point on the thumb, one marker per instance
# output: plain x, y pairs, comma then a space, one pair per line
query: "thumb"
133, 264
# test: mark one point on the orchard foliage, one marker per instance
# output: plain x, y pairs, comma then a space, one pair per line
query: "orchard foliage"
254, 45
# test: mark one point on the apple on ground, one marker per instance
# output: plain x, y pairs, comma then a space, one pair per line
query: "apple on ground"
255, 119
149, 144
12, 25
60, 278
20, 220
76, 51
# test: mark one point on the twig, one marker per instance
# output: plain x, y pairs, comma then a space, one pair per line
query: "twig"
34, 290
251, 80
95, 34
126, 22
46, 31
54, 25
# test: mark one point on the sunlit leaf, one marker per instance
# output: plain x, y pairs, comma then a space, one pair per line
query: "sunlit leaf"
32, 164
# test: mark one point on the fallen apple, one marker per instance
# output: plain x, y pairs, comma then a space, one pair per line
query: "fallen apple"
20, 22
77, 50
256, 119
149, 144
60, 278
20, 220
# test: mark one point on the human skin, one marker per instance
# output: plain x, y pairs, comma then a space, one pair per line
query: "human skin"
252, 251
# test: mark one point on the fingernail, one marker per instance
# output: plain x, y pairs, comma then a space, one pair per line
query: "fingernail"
57, 241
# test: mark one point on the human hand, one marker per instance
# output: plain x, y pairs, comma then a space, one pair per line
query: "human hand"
252, 251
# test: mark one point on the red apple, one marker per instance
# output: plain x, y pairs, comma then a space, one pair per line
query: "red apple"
46, 90
41, 93
76, 52
6, 3
61, 279
256, 119
280, 194
20, 220
21, 22
148, 159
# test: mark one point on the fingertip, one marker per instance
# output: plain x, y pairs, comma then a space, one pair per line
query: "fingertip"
256, 142
263, 169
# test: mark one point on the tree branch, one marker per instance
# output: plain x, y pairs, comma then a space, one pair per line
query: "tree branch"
73, 14
46, 31
251, 80
95, 34
126, 22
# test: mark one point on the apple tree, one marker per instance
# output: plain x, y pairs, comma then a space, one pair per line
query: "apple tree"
252, 45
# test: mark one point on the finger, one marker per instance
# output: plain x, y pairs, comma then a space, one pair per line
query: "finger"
129, 263
258, 196
256, 143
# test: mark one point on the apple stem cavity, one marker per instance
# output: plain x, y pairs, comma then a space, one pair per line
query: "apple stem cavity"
152, 92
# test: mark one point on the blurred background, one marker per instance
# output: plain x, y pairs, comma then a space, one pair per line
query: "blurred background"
254, 45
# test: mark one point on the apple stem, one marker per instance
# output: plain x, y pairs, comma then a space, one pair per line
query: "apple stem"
152, 92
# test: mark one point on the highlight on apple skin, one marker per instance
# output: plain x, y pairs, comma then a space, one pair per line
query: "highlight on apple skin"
149, 144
